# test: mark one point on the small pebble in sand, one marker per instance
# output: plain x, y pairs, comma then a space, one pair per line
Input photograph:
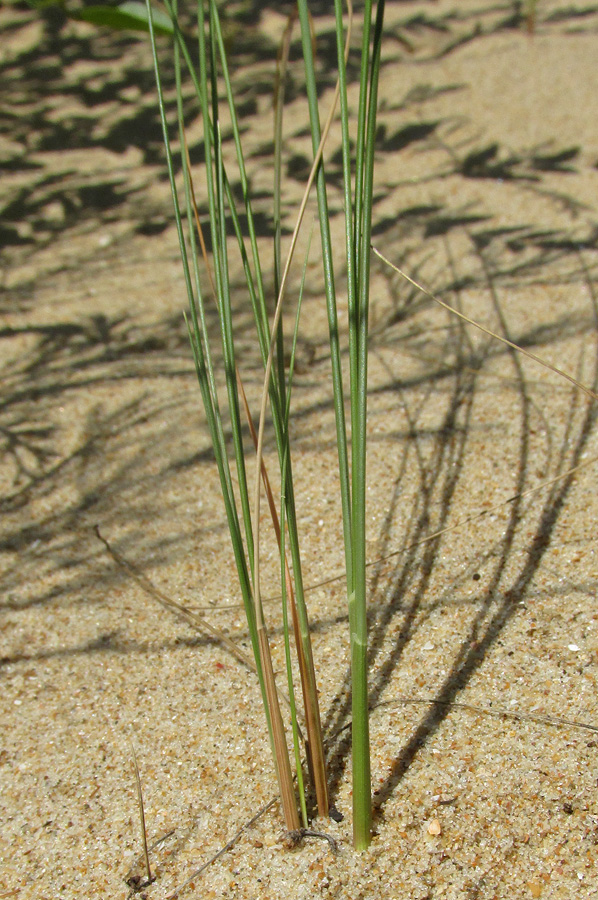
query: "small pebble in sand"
434, 827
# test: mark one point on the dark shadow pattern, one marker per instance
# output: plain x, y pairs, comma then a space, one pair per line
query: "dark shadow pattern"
440, 472
106, 474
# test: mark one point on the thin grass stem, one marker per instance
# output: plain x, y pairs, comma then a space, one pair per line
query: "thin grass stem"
148, 870
359, 637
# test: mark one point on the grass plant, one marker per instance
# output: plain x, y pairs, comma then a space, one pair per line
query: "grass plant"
221, 386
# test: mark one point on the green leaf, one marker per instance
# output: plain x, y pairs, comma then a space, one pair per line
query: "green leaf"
129, 16
41, 4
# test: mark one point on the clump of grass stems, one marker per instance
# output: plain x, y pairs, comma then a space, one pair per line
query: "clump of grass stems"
210, 80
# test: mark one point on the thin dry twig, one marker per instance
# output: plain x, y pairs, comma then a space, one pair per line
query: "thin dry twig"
495, 712
224, 849
141, 816
492, 334
294, 838
197, 621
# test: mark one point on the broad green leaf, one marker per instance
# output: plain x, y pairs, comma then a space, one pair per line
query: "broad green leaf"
129, 16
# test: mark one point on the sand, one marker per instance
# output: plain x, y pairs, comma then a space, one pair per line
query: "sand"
481, 499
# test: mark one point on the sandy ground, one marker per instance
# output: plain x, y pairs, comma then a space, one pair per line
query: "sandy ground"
484, 624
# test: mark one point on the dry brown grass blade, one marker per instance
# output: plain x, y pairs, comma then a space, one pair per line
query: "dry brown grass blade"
273, 332
148, 870
314, 744
281, 753
202, 243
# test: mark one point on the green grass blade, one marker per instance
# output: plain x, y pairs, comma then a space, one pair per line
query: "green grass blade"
359, 638
333, 328
260, 310
205, 380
